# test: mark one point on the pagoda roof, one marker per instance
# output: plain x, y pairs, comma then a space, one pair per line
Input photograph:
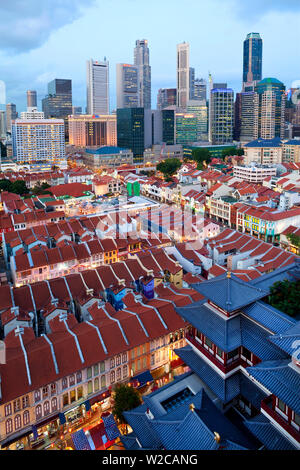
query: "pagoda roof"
286, 340
281, 378
267, 434
230, 293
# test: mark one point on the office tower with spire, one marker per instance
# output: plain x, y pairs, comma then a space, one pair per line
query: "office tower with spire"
127, 86
183, 74
252, 64
97, 78
31, 99
142, 61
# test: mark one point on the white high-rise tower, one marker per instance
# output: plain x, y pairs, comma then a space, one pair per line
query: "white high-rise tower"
141, 60
183, 74
97, 87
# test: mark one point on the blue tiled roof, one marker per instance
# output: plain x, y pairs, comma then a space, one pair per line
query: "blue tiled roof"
142, 378
276, 142
267, 434
142, 427
225, 333
280, 379
256, 340
226, 389
252, 392
130, 442
293, 142
286, 341
268, 316
230, 293
107, 150
290, 272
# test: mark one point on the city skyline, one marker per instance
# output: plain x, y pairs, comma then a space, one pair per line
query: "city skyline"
61, 51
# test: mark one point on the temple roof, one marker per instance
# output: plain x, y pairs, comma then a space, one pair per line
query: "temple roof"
281, 379
286, 341
230, 293
266, 433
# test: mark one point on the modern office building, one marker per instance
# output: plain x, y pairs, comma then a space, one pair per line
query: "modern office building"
221, 114
11, 115
92, 131
31, 99
131, 131
192, 83
127, 86
107, 157
186, 128
271, 93
76, 110
97, 77
200, 89
183, 74
199, 109
168, 126
252, 64
58, 102
141, 60
166, 97
249, 116
38, 140
237, 116
32, 113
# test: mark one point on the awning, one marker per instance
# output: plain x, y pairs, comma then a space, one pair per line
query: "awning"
16, 437
87, 405
99, 397
140, 380
62, 418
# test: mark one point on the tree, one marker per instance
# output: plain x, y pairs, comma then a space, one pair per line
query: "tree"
125, 399
232, 151
294, 239
19, 187
6, 185
169, 167
41, 188
202, 156
285, 296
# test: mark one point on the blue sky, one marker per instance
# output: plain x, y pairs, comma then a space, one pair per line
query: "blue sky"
42, 40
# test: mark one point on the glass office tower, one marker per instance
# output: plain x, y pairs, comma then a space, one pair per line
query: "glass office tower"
131, 132
252, 68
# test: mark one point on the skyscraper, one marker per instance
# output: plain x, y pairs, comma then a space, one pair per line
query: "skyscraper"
183, 74
127, 86
199, 109
252, 67
58, 102
2, 125
192, 83
11, 115
221, 114
249, 116
271, 102
131, 131
31, 99
141, 60
97, 78
199, 89
186, 128
166, 97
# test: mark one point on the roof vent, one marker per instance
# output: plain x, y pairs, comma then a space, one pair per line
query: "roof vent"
149, 414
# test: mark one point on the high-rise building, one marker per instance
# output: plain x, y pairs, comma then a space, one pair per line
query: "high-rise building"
2, 125
31, 99
38, 140
166, 97
237, 116
221, 114
168, 125
76, 110
192, 83
58, 102
200, 89
32, 113
271, 112
186, 128
97, 78
252, 66
199, 109
141, 60
11, 115
127, 86
183, 74
131, 131
249, 116
92, 131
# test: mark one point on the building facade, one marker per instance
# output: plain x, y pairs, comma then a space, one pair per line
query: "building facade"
92, 131
252, 63
97, 76
222, 115
141, 60
183, 74
128, 95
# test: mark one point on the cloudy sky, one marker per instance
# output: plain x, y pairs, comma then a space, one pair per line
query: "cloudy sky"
45, 39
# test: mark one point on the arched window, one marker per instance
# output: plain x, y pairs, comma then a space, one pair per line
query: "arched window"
26, 418
119, 373
18, 422
96, 384
54, 404
46, 408
9, 426
124, 371
38, 411
112, 377
112, 363
118, 359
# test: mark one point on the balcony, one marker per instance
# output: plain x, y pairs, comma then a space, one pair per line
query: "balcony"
267, 406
